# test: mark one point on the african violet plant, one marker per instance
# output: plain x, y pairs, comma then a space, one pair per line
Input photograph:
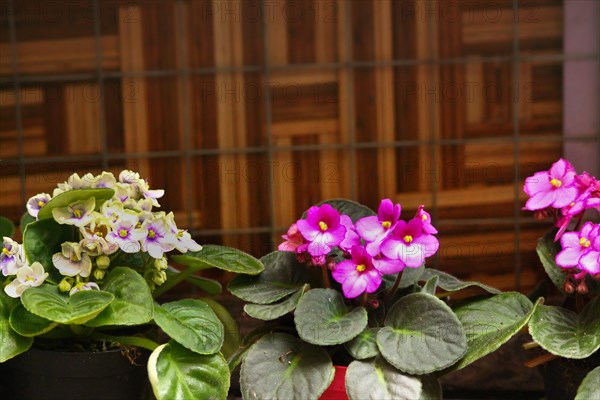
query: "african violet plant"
93, 258
570, 254
348, 286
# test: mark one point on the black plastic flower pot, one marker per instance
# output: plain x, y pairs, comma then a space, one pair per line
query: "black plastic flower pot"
45, 374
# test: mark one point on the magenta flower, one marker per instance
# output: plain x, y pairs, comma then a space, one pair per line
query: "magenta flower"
322, 229
294, 241
554, 188
410, 244
372, 228
575, 245
357, 275
387, 265
426, 220
351, 238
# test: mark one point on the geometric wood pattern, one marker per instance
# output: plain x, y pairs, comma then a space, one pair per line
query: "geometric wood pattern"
306, 100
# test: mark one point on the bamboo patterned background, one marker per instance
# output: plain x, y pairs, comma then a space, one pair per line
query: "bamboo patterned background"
249, 112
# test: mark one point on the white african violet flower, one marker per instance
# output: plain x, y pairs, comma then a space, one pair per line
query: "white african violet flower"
184, 241
104, 180
75, 182
112, 210
27, 276
79, 213
11, 257
123, 192
125, 234
83, 286
94, 236
72, 260
127, 176
35, 203
159, 238
144, 205
151, 195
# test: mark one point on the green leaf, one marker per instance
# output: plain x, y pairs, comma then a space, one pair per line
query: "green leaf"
421, 335
566, 334
547, 249
48, 302
27, 324
590, 386
491, 322
376, 379
133, 302
411, 276
364, 345
26, 219
279, 366
232, 337
221, 257
450, 283
430, 286
351, 208
66, 198
322, 318
283, 275
42, 239
7, 228
11, 343
268, 312
210, 286
177, 373
192, 323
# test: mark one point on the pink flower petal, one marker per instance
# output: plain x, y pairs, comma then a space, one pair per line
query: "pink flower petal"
591, 262
540, 201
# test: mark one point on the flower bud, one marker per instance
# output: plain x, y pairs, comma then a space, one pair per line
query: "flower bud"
569, 287
582, 288
374, 304
103, 262
159, 277
65, 285
99, 274
161, 264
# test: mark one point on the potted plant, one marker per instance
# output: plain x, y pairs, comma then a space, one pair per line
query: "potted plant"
569, 333
348, 287
80, 292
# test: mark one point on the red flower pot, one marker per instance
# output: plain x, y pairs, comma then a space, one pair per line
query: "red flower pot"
337, 389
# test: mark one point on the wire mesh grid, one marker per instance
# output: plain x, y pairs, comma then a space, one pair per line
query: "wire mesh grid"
348, 63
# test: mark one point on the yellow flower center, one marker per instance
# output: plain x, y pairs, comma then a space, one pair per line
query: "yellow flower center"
386, 224
151, 234
323, 226
29, 279
361, 267
77, 213
424, 217
5, 251
41, 204
123, 233
584, 242
556, 183
408, 238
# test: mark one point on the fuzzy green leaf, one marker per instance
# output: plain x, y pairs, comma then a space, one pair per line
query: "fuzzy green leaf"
421, 335
322, 318
221, 257
279, 366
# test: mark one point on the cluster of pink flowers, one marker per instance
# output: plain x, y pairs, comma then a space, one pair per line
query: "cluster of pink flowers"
374, 246
565, 195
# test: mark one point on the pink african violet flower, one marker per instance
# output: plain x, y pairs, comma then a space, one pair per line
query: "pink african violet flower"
426, 219
554, 188
351, 238
387, 265
322, 228
294, 241
410, 244
576, 244
373, 227
357, 275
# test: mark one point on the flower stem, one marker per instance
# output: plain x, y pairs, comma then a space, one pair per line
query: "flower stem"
540, 360
530, 345
127, 340
392, 291
325, 273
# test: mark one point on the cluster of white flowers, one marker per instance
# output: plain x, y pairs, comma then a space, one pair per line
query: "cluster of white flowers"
123, 223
